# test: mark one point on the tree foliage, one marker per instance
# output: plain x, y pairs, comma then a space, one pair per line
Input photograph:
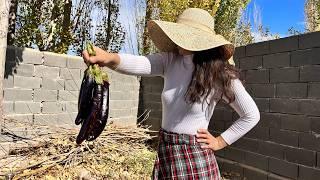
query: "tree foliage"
242, 33
312, 17
110, 34
227, 14
43, 24
63, 26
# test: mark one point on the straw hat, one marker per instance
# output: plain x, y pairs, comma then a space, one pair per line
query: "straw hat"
193, 31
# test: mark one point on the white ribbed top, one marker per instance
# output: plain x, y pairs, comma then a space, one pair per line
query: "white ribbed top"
177, 115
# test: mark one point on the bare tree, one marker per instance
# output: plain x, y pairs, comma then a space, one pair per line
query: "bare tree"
260, 32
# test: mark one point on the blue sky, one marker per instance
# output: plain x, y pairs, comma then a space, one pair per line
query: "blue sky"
280, 15
128, 10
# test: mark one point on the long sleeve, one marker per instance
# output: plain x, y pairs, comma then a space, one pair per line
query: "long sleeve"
247, 110
149, 65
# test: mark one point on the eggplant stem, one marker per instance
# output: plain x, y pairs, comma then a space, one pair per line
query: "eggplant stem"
94, 69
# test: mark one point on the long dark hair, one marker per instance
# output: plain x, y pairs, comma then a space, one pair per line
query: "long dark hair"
211, 72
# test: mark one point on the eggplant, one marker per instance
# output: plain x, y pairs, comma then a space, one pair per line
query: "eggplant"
82, 87
102, 119
85, 97
90, 121
93, 101
78, 119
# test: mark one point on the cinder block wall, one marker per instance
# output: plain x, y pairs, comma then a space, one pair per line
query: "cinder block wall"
150, 106
43, 87
283, 77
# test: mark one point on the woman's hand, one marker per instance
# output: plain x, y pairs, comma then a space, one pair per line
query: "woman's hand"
214, 143
102, 58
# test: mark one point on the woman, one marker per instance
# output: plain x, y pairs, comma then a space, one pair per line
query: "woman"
194, 64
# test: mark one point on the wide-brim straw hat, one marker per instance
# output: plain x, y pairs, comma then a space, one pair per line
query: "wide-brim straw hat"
193, 31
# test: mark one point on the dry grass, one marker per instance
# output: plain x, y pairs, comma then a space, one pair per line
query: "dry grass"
50, 152
118, 153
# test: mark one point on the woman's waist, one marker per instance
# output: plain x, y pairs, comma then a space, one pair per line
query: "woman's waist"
182, 125
177, 138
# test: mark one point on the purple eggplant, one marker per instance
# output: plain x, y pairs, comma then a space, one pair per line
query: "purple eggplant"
93, 102
85, 97
102, 118
90, 121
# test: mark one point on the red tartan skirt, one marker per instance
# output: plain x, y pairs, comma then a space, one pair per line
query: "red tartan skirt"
180, 156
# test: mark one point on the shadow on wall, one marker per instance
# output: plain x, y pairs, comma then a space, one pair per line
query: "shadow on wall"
13, 59
141, 112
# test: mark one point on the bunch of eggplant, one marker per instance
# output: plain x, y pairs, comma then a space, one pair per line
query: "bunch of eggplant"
93, 102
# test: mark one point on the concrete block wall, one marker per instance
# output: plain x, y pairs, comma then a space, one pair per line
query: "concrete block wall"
150, 101
283, 77
43, 88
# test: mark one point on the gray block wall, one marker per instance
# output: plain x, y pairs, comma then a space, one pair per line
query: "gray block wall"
43, 88
150, 106
283, 77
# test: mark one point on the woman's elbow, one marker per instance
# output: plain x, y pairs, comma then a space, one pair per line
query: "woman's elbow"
254, 117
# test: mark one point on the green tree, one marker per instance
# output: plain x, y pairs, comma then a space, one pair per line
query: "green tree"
82, 24
12, 21
110, 33
44, 24
62, 26
227, 17
227, 14
242, 33
151, 13
312, 18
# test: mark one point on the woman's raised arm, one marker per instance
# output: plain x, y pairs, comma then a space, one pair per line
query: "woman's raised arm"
102, 57
150, 65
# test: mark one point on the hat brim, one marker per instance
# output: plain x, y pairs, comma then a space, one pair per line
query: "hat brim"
167, 35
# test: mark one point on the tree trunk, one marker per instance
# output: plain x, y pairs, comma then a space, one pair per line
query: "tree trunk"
12, 22
4, 16
67, 16
109, 24
146, 39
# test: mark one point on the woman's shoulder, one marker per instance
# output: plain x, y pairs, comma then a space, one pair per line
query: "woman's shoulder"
234, 76
168, 56
171, 57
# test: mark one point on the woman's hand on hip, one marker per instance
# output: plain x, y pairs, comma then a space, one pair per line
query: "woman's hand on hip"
214, 143
102, 57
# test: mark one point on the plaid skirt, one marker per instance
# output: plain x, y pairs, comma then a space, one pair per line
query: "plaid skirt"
180, 156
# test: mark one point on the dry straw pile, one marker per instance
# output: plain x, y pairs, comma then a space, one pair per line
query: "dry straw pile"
119, 153
51, 153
